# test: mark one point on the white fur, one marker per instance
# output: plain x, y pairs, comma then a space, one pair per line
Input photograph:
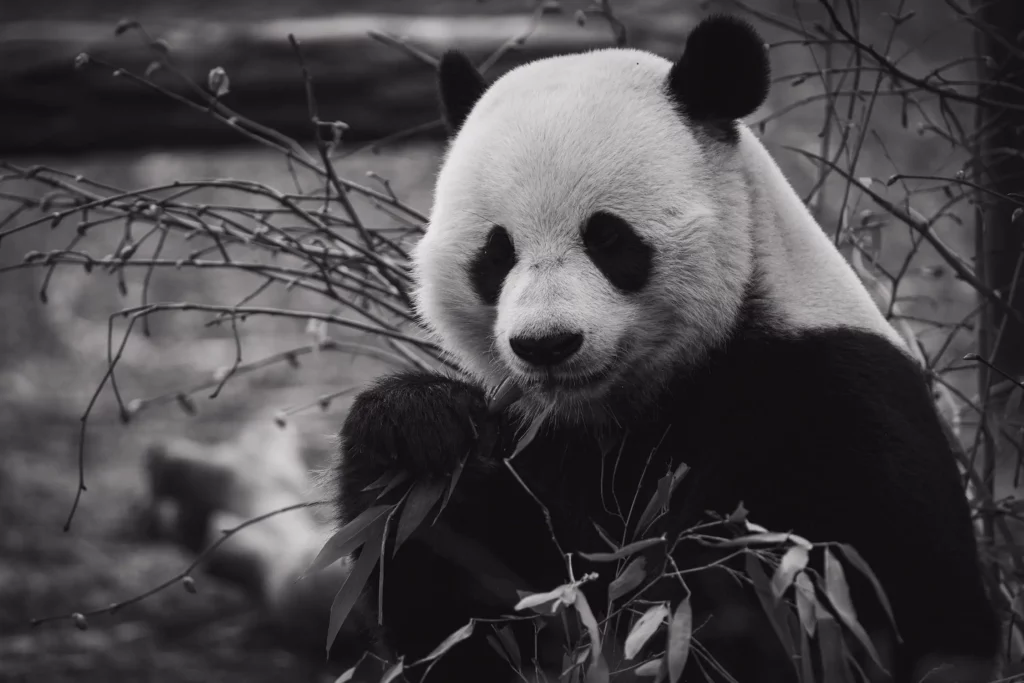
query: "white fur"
811, 284
557, 139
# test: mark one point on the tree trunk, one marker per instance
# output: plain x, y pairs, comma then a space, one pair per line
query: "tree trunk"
1000, 229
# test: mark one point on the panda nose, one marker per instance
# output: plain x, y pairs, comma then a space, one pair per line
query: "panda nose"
550, 349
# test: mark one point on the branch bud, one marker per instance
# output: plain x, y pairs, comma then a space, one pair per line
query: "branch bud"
218, 82
124, 25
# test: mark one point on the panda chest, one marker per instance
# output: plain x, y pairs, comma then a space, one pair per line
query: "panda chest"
703, 458
585, 481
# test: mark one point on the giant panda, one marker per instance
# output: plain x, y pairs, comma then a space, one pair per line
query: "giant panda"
610, 239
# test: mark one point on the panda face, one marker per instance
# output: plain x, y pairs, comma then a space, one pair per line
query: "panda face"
586, 237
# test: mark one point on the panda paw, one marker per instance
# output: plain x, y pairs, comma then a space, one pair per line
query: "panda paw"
422, 425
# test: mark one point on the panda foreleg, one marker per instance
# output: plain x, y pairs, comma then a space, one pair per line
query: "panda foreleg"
471, 560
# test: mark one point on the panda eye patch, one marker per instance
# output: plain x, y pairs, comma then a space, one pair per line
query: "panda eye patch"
602, 232
492, 264
617, 251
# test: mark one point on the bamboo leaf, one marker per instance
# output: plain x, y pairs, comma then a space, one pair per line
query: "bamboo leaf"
631, 577
623, 552
794, 561
347, 538
531, 433
454, 638
651, 668
777, 614
644, 628
680, 632
862, 566
662, 495
393, 673
353, 586
563, 595
589, 621
805, 603
838, 592
421, 499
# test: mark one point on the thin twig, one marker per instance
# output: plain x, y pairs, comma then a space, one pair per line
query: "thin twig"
180, 576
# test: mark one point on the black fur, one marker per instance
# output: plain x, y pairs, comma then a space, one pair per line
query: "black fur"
492, 264
829, 434
618, 251
460, 86
547, 350
723, 75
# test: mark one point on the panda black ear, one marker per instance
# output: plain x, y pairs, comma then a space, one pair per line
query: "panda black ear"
724, 72
460, 86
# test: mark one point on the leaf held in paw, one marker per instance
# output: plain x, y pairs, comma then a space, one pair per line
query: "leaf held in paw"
353, 586
396, 481
347, 538
450, 488
381, 481
531, 433
504, 395
422, 498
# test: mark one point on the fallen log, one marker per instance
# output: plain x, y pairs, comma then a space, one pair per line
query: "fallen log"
49, 106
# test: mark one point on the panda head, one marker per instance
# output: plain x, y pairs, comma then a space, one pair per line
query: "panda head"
590, 232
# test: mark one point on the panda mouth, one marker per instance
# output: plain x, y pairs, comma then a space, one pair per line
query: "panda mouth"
554, 381
577, 380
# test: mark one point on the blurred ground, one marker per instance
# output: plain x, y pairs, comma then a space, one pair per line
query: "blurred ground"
45, 382
51, 358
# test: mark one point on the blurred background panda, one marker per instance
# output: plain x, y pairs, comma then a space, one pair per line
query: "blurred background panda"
608, 238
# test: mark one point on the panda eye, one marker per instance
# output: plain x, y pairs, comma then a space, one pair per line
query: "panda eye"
492, 264
498, 247
603, 231
618, 251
